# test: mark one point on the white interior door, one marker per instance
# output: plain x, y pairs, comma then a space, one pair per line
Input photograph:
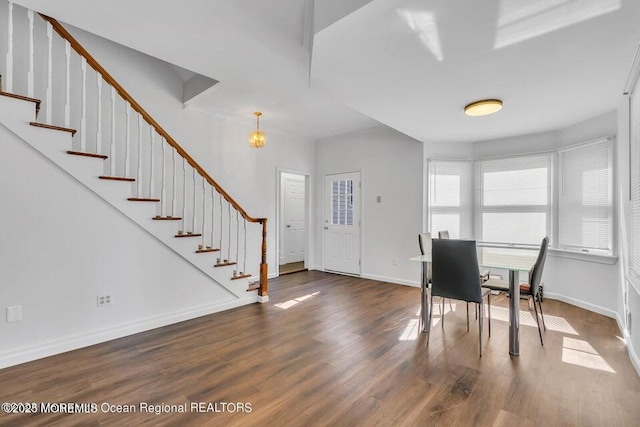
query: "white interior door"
295, 224
342, 223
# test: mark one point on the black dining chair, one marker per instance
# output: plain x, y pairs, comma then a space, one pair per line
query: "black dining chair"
456, 275
530, 289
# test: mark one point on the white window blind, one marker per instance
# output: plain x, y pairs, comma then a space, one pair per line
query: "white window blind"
513, 199
450, 198
634, 140
586, 198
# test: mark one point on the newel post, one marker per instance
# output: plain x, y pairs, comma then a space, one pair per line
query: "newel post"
264, 269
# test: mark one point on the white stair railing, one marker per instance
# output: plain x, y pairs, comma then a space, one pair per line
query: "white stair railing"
86, 109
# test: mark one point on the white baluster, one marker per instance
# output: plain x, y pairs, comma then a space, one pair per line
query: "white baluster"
221, 227
127, 140
213, 216
112, 150
244, 247
152, 163
9, 77
49, 96
139, 171
30, 73
174, 199
229, 222
67, 82
235, 271
184, 194
163, 193
204, 209
83, 107
99, 126
193, 225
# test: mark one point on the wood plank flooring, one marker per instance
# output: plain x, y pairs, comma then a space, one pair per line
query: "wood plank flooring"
331, 350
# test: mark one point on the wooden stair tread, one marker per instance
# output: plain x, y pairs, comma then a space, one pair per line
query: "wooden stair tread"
82, 153
167, 218
206, 250
224, 264
23, 98
142, 199
253, 286
117, 178
188, 235
53, 127
240, 276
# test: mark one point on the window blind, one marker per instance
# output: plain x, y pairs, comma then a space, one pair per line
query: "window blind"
634, 141
585, 200
449, 195
513, 199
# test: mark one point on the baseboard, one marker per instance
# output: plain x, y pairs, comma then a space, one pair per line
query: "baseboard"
620, 323
75, 342
633, 356
582, 304
391, 280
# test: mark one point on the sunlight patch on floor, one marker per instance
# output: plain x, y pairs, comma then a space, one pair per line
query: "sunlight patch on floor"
288, 304
581, 353
527, 318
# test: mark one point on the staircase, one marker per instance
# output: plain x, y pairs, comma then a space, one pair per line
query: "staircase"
123, 155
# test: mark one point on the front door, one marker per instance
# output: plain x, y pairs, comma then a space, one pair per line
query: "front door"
342, 223
295, 231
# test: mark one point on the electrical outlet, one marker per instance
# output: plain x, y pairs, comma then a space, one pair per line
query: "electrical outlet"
14, 313
104, 300
394, 260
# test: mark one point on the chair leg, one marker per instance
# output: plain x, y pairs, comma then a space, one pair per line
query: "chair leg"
429, 320
489, 302
467, 317
541, 313
480, 328
538, 322
442, 313
476, 311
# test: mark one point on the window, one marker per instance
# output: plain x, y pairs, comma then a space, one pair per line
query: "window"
513, 199
450, 198
585, 207
634, 141
342, 202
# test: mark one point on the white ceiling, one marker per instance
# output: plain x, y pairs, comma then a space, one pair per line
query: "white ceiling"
410, 64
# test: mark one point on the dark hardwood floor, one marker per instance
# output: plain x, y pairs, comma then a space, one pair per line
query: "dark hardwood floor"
330, 350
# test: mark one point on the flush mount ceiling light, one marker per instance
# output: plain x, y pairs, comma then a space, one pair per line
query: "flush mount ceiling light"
257, 138
483, 107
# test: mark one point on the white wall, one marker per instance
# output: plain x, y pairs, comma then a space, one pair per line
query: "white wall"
62, 245
391, 164
591, 285
219, 145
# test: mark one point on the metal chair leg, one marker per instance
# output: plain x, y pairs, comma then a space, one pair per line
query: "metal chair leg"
489, 302
541, 313
538, 322
442, 313
480, 328
467, 317
430, 317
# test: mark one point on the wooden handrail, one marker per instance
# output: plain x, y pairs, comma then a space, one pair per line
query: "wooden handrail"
125, 95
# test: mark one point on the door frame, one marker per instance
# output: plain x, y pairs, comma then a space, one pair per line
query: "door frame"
307, 214
361, 219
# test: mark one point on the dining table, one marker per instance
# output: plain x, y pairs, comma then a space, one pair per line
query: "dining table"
513, 259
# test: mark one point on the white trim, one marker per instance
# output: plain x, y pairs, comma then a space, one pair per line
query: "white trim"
633, 356
633, 72
634, 282
581, 256
585, 144
412, 283
27, 354
582, 304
